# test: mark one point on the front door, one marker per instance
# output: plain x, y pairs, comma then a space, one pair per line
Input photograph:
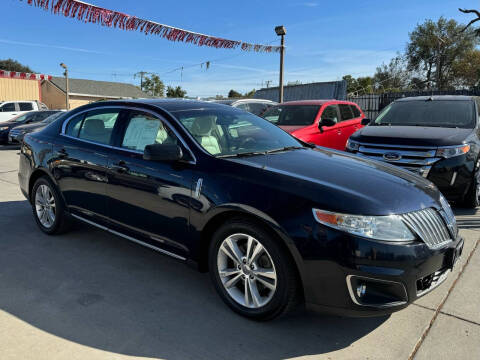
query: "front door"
149, 200
80, 162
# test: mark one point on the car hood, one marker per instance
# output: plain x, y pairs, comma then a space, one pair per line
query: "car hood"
292, 128
31, 127
341, 182
411, 135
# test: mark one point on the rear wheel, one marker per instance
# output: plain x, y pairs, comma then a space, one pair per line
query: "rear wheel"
251, 272
48, 208
472, 197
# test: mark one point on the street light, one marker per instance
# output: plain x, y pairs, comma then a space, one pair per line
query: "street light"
67, 102
281, 31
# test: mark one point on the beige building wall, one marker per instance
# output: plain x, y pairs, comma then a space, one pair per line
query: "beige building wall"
52, 96
19, 89
76, 101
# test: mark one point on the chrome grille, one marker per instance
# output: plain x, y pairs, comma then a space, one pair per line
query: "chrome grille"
429, 226
449, 217
417, 159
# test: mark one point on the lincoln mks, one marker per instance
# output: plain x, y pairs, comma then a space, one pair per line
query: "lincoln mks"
277, 222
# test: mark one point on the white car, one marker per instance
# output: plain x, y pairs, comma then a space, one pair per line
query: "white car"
10, 109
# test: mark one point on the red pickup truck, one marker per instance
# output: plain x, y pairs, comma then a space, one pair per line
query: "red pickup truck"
326, 123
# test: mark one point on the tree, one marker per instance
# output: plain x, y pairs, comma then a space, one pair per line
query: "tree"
472, 11
361, 84
433, 49
467, 70
13, 65
153, 86
249, 94
392, 77
234, 94
175, 92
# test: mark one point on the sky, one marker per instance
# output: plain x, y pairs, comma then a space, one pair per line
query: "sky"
325, 40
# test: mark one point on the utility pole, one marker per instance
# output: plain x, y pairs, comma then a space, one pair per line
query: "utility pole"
281, 31
67, 90
268, 82
141, 74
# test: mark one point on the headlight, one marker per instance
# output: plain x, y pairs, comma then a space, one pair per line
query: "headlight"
451, 151
386, 228
4, 128
352, 145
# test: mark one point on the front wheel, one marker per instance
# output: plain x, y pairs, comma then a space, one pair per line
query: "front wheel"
251, 272
472, 197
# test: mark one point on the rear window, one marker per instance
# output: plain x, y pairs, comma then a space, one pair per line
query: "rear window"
292, 114
430, 113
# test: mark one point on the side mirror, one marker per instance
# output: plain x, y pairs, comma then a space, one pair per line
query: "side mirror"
326, 122
162, 152
365, 121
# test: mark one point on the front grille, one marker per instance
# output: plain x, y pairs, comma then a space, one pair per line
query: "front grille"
417, 159
429, 226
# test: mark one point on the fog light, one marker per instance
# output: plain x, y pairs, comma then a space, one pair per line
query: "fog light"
361, 289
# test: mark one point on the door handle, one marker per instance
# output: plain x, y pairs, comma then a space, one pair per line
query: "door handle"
119, 167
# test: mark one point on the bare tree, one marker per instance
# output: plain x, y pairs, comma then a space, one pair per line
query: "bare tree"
471, 11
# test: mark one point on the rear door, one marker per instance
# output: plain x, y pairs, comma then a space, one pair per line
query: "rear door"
81, 160
357, 117
348, 125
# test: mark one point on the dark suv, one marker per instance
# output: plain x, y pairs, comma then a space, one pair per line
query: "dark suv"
436, 137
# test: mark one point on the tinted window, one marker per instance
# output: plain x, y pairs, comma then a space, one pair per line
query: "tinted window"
436, 113
8, 107
73, 126
53, 117
330, 112
258, 108
356, 112
230, 131
292, 114
25, 106
345, 112
98, 126
144, 129
243, 106
42, 115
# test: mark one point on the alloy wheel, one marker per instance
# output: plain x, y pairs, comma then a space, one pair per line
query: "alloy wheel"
246, 270
45, 206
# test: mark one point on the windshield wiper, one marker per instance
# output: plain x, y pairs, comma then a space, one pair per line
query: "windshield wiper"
286, 148
250, 153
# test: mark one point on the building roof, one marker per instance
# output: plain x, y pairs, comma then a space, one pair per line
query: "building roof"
99, 88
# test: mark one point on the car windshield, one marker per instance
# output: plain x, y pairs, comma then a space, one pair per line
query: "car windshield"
292, 114
52, 118
21, 118
232, 132
430, 113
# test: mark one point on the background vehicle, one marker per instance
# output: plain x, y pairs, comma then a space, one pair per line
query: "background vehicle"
327, 123
27, 118
11, 109
436, 137
248, 203
255, 106
17, 133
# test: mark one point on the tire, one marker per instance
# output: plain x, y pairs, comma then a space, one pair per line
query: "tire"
471, 199
55, 219
269, 276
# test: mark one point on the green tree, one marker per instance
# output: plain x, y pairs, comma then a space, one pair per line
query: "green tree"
249, 94
153, 86
433, 49
467, 70
234, 94
13, 65
393, 76
175, 92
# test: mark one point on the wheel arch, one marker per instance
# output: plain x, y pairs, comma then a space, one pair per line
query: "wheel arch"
260, 219
37, 174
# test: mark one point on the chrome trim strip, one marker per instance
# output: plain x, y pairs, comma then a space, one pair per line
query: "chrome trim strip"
198, 189
419, 162
354, 299
454, 177
123, 107
130, 238
435, 284
404, 153
396, 146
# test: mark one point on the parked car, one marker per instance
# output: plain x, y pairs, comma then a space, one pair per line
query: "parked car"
11, 109
436, 137
28, 118
275, 222
17, 133
327, 123
255, 106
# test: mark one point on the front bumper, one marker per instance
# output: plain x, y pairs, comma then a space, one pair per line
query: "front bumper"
391, 275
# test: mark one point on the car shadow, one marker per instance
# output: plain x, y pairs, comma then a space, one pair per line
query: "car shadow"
467, 218
10, 147
104, 292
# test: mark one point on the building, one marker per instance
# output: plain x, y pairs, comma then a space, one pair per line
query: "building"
314, 91
21, 86
83, 92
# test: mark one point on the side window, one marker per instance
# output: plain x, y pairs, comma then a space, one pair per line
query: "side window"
243, 106
273, 115
258, 108
144, 129
25, 106
97, 126
356, 112
330, 112
8, 107
73, 126
345, 112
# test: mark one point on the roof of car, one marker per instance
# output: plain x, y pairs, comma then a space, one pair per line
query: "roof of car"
241, 100
438, 98
311, 102
166, 104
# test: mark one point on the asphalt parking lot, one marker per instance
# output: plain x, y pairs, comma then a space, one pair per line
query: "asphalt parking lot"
90, 295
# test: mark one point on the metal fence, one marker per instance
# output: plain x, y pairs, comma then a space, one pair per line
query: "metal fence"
372, 104
313, 91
